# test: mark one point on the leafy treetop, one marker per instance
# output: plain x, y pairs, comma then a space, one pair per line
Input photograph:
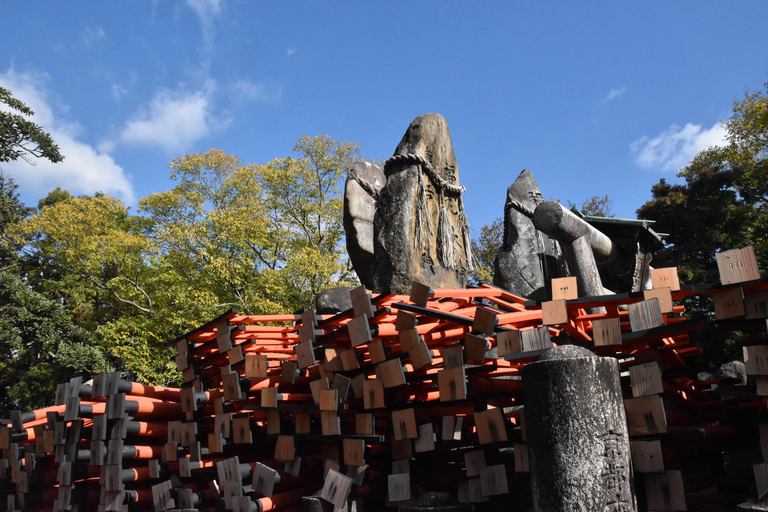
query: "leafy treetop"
20, 137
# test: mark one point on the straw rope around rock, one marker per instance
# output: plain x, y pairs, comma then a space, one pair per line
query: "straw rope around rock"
446, 236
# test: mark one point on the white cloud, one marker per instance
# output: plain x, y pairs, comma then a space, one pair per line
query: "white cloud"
91, 35
263, 92
613, 94
84, 169
207, 11
673, 148
118, 92
172, 122
290, 51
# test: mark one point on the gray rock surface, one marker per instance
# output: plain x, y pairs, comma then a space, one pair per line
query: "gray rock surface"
733, 370
364, 182
332, 301
578, 443
410, 241
527, 259
435, 502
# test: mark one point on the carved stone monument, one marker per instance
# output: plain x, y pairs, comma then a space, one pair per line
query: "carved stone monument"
421, 232
578, 442
528, 258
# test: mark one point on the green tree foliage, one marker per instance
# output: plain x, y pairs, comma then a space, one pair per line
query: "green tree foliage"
260, 238
90, 255
595, 206
40, 347
263, 238
12, 211
484, 248
20, 137
722, 204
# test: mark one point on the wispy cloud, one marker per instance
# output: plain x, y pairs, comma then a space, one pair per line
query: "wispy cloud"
290, 51
262, 92
673, 148
118, 92
91, 35
207, 11
85, 170
613, 94
172, 122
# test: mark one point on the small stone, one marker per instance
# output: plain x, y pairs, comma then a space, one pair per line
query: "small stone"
333, 301
734, 370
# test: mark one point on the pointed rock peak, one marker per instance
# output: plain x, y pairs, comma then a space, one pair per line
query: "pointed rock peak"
428, 136
525, 190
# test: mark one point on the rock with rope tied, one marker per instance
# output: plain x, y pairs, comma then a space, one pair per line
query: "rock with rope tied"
364, 182
528, 259
421, 232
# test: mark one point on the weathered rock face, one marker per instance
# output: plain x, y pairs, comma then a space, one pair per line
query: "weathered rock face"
364, 183
578, 443
420, 228
528, 259
333, 301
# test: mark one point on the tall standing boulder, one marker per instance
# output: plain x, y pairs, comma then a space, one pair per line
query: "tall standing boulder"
528, 258
420, 227
364, 183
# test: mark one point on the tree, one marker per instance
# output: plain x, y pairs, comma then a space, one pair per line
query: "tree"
40, 347
94, 258
595, 206
12, 211
722, 204
484, 248
262, 238
20, 137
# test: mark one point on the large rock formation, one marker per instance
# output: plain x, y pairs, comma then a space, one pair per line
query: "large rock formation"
364, 182
528, 258
420, 228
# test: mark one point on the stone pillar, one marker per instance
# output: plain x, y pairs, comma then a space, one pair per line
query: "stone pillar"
578, 443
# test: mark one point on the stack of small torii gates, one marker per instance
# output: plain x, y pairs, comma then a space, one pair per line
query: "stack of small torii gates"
400, 395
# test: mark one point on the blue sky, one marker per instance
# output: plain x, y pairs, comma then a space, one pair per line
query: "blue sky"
594, 98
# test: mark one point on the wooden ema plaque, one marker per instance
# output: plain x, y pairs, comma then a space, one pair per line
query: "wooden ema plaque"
490, 426
756, 304
647, 456
645, 415
645, 315
646, 379
665, 492
664, 296
756, 359
554, 312
564, 288
729, 303
665, 278
606, 332
361, 302
737, 265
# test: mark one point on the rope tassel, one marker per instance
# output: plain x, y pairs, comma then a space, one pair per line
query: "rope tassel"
446, 238
464, 223
423, 221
